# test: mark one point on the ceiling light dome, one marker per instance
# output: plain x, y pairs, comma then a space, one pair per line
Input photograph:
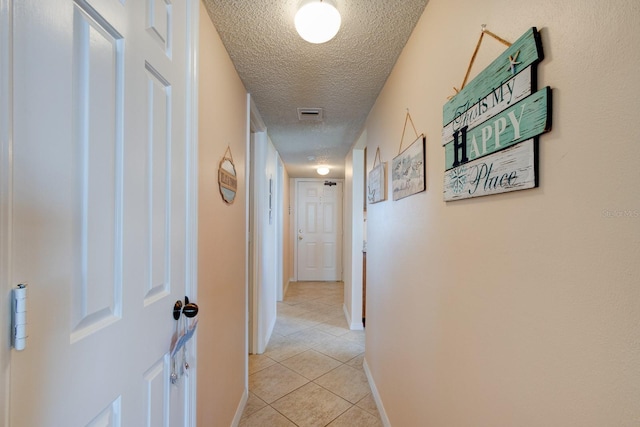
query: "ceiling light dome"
317, 21
322, 170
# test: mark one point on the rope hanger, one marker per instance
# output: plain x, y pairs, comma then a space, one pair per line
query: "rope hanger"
475, 53
377, 158
404, 129
230, 155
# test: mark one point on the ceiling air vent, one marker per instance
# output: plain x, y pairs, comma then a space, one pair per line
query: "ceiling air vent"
310, 114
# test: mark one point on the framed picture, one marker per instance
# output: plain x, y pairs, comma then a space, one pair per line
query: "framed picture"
377, 184
408, 170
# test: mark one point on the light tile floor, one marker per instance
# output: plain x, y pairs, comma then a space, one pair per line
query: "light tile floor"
311, 373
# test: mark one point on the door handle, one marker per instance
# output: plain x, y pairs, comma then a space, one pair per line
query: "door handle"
189, 309
299, 237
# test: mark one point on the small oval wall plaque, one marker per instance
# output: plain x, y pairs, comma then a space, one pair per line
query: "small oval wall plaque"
227, 180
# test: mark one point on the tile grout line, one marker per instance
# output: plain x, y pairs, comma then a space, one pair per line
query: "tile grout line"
319, 385
298, 322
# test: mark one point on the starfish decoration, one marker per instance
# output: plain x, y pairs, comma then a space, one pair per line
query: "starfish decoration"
513, 63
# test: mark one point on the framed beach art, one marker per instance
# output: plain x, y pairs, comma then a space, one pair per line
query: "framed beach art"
408, 170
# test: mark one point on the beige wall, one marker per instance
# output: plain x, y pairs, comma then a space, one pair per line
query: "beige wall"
520, 309
221, 233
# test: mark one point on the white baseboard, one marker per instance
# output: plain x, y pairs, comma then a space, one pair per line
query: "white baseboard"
353, 325
240, 410
376, 395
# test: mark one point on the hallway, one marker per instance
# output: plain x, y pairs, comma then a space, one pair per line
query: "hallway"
311, 373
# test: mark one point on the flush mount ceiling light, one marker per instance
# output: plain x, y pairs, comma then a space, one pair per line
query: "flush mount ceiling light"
317, 21
322, 170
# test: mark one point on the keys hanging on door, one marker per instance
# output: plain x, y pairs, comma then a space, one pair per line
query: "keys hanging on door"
183, 333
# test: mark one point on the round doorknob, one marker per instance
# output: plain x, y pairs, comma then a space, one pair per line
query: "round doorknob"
190, 310
299, 237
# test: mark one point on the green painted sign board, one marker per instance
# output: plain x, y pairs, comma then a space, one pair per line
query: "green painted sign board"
524, 120
512, 91
527, 50
488, 121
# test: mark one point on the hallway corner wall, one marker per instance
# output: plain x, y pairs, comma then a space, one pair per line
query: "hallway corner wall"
222, 340
287, 242
265, 166
353, 236
520, 308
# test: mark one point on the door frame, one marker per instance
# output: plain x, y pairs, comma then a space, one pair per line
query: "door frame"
6, 167
191, 227
295, 222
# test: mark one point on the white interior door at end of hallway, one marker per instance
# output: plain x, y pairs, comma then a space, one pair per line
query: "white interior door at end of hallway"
99, 211
319, 230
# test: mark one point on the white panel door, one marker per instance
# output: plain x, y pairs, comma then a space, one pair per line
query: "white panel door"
319, 233
99, 210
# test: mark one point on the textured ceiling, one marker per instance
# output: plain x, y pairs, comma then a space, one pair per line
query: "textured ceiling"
343, 76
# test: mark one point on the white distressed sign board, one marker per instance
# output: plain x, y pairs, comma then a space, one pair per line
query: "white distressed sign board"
508, 170
377, 185
499, 99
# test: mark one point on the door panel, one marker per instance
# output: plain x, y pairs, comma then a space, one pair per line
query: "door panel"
158, 153
109, 417
97, 103
319, 237
99, 220
310, 215
311, 249
328, 256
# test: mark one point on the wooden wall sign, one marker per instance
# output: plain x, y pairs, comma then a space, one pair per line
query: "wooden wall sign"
491, 127
377, 180
377, 188
408, 170
227, 179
